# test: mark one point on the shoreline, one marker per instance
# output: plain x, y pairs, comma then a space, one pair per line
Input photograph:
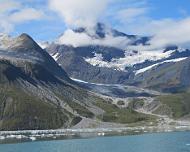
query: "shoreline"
7, 137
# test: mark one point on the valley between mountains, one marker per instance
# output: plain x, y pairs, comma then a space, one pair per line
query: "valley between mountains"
54, 85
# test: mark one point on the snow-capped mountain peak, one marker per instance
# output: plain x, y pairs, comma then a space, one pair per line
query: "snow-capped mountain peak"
101, 35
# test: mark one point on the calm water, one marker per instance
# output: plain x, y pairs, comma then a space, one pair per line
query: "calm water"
166, 142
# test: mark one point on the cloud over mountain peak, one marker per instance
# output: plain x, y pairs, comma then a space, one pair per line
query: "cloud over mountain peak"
79, 13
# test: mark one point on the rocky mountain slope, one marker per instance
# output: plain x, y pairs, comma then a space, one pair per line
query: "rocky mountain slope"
36, 93
112, 64
30, 88
169, 108
72, 60
166, 77
110, 69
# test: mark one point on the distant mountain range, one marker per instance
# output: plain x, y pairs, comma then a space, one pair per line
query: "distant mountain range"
100, 63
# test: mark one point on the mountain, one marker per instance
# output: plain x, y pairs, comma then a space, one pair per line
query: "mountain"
30, 88
87, 62
101, 62
36, 93
101, 31
72, 60
167, 76
128, 73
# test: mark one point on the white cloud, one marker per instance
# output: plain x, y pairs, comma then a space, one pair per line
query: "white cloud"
26, 15
166, 32
13, 13
82, 39
79, 12
130, 14
8, 5
172, 32
74, 39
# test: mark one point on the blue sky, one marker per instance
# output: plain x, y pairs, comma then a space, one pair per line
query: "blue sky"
169, 8
131, 16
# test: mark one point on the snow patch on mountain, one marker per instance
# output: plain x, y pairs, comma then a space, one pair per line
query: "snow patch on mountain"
55, 56
130, 59
180, 49
157, 64
4, 40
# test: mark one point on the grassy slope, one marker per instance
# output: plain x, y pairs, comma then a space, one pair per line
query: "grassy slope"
178, 104
19, 110
118, 115
81, 110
